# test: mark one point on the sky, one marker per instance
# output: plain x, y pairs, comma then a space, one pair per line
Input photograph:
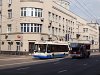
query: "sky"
87, 9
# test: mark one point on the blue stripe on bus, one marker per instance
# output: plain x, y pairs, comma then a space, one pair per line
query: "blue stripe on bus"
59, 55
39, 56
49, 56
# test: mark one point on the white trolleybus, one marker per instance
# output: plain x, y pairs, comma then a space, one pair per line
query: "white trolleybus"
50, 49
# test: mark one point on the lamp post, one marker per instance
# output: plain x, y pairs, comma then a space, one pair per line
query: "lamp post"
99, 38
98, 22
0, 39
0, 26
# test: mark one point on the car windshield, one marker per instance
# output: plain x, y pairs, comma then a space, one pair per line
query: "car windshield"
72, 45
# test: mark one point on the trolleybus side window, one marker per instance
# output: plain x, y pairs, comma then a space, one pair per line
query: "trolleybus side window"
57, 48
40, 48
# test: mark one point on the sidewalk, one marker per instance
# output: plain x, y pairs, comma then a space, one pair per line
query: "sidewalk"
95, 53
2, 56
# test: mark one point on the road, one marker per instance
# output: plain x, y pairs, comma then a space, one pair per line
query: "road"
59, 66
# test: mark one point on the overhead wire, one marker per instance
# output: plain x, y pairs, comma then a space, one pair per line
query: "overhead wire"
87, 10
96, 17
80, 9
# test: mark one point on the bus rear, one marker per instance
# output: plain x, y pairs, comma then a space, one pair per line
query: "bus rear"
79, 50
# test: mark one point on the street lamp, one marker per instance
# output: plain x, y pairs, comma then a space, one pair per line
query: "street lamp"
0, 40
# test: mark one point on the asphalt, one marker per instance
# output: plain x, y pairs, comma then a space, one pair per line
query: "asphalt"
64, 66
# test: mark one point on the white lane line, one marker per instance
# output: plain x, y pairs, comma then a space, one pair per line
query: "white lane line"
23, 68
62, 71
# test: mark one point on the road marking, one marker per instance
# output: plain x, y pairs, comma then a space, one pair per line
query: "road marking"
62, 71
23, 68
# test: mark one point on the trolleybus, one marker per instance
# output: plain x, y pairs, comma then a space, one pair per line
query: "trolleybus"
50, 49
79, 50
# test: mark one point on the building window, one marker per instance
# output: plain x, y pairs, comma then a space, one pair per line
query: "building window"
31, 27
35, 12
23, 11
53, 16
53, 30
63, 31
9, 28
49, 28
73, 23
59, 18
56, 30
10, 13
28, 28
69, 22
66, 22
63, 20
59, 30
39, 13
49, 14
85, 29
9, 46
67, 37
9, 3
56, 18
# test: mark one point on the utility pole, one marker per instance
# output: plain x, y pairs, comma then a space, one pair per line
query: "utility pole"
0, 24
99, 38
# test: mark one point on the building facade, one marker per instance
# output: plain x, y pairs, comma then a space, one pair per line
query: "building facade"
23, 22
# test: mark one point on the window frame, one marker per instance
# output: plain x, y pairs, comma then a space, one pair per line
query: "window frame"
31, 12
31, 27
